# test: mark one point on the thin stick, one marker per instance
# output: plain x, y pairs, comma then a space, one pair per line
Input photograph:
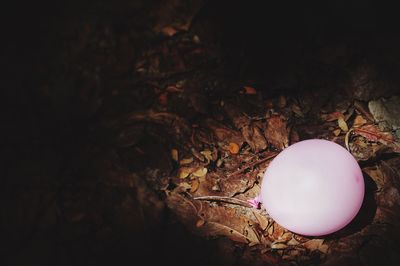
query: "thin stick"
225, 199
257, 162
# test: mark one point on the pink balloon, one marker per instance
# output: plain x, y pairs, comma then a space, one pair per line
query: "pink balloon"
314, 187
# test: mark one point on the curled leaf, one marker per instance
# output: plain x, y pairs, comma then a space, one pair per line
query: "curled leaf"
184, 172
202, 171
195, 186
185, 161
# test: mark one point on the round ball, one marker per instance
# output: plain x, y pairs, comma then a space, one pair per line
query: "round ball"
314, 187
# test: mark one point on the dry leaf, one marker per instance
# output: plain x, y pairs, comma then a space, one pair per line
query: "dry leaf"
323, 248
359, 121
373, 133
174, 154
195, 186
342, 124
202, 171
261, 219
313, 244
271, 229
233, 148
253, 136
249, 90
184, 172
293, 242
277, 133
200, 223
286, 236
186, 161
336, 132
278, 246
185, 186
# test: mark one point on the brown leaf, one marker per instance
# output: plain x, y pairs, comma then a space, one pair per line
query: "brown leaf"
185, 172
336, 132
261, 219
313, 244
277, 132
219, 221
202, 171
195, 186
373, 133
359, 121
185, 161
224, 133
254, 138
200, 223
278, 246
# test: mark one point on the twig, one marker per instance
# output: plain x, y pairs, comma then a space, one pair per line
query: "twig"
250, 165
225, 199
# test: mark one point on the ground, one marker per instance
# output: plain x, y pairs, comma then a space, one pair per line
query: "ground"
138, 131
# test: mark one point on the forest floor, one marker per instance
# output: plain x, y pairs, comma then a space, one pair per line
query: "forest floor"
136, 114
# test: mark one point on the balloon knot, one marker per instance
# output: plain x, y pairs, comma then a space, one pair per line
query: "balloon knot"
255, 202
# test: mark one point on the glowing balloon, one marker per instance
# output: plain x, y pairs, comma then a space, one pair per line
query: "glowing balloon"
314, 187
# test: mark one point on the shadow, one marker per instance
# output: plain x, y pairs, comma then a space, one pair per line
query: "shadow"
366, 214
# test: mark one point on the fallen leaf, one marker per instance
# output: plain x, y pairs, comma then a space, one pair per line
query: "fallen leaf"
359, 121
373, 133
174, 154
233, 148
271, 229
249, 90
185, 161
323, 248
277, 132
185, 186
336, 132
342, 124
202, 171
253, 136
200, 223
286, 236
293, 242
313, 244
278, 246
184, 172
194, 186
261, 219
